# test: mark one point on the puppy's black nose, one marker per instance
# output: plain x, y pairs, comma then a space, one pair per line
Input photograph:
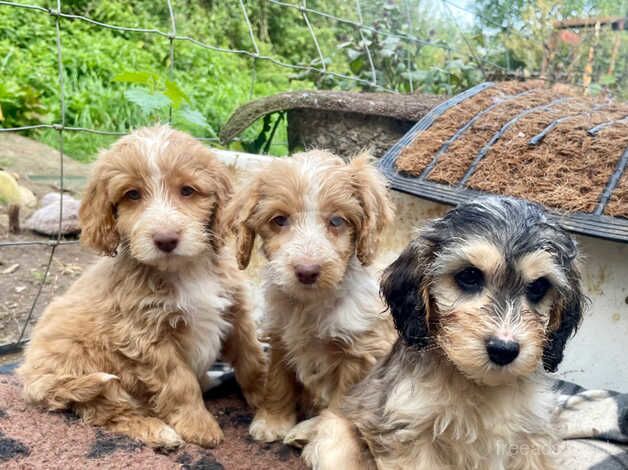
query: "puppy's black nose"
502, 352
166, 241
307, 273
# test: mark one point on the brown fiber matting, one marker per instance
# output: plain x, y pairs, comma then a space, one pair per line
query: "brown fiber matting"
34, 439
568, 170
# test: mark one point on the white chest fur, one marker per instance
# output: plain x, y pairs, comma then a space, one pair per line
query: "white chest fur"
202, 301
307, 328
470, 427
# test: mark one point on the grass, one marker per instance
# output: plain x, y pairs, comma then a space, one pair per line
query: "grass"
215, 83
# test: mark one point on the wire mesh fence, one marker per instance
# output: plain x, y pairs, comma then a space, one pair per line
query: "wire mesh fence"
368, 78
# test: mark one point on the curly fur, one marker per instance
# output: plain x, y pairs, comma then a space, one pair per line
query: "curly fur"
324, 336
439, 401
129, 344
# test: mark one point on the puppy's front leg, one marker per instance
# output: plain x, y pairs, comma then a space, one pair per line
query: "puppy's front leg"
277, 415
244, 352
179, 402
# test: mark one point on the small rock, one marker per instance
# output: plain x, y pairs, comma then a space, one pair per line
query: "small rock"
20, 289
11, 269
53, 198
46, 219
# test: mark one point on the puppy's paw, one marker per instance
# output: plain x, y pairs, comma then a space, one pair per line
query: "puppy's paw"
167, 438
302, 433
202, 430
268, 428
151, 431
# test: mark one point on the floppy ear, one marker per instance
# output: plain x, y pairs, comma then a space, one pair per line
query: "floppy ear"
223, 191
237, 215
370, 187
405, 291
565, 318
97, 215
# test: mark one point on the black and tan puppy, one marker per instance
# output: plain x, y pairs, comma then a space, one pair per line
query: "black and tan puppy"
483, 299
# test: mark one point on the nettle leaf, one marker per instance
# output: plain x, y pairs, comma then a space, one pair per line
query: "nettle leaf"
352, 54
595, 89
175, 93
194, 116
147, 101
357, 65
139, 78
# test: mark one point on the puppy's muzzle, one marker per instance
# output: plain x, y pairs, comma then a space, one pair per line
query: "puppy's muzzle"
307, 273
166, 241
502, 352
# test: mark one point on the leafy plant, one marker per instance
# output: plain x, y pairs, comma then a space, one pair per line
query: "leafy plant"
154, 95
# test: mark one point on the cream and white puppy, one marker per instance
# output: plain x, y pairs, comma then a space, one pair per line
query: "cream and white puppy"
319, 220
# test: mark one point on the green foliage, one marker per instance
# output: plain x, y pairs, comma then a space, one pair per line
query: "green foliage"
117, 80
158, 95
519, 35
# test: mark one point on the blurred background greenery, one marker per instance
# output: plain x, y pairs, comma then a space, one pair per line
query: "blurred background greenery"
118, 80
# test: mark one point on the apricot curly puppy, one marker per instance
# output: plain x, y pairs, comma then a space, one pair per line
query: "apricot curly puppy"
128, 346
319, 220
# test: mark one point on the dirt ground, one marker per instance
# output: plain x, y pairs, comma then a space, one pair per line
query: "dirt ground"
22, 268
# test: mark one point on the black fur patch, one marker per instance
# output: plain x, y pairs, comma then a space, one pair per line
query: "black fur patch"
10, 448
206, 461
106, 444
400, 288
285, 452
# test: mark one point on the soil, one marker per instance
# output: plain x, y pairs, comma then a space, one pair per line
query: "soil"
22, 268
37, 165
343, 133
22, 271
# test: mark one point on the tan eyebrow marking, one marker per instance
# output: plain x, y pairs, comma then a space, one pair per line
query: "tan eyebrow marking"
538, 264
484, 256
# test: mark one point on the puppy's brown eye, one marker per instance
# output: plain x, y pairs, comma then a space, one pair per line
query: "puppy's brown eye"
133, 195
280, 220
336, 221
536, 290
470, 280
187, 191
